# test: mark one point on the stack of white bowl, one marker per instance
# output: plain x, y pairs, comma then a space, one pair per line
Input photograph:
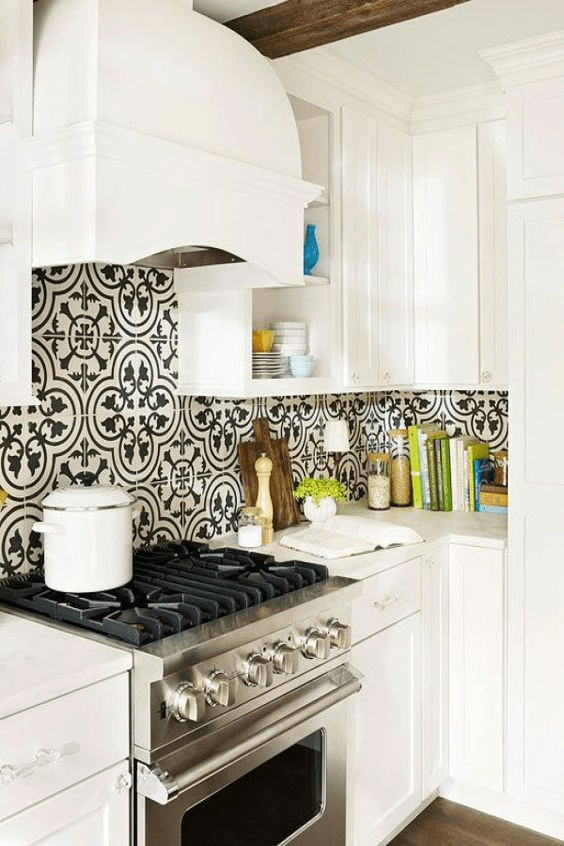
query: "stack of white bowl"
289, 339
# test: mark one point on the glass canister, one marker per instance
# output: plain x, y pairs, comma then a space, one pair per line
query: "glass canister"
249, 527
400, 468
378, 481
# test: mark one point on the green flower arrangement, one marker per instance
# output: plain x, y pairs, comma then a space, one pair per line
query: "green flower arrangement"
317, 489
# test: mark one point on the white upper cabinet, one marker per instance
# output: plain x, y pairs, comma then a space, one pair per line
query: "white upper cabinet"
446, 258
377, 252
16, 48
492, 212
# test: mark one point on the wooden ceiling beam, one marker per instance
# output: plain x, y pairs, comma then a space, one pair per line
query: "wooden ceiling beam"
296, 25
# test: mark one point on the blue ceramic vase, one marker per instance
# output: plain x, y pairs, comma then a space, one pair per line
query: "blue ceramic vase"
311, 250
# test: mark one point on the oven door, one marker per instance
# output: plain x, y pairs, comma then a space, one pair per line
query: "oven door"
274, 776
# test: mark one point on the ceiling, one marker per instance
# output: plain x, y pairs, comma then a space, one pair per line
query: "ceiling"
433, 53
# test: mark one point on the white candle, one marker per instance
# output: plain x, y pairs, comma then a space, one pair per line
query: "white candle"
250, 536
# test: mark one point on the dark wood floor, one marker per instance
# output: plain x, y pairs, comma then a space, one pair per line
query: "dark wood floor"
446, 823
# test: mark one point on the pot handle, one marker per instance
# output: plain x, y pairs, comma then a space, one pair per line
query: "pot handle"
48, 529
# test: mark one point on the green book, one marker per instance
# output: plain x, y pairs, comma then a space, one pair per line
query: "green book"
433, 477
415, 466
446, 474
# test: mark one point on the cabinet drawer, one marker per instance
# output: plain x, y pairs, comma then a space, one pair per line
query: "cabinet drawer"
386, 598
54, 745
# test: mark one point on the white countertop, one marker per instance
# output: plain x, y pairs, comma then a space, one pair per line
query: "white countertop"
475, 529
38, 662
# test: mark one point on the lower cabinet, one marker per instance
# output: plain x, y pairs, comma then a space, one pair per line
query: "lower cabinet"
386, 757
477, 665
92, 813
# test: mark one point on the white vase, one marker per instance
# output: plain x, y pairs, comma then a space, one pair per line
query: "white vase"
319, 512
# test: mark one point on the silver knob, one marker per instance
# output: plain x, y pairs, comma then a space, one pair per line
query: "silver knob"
258, 671
316, 645
339, 634
189, 703
486, 376
220, 689
285, 659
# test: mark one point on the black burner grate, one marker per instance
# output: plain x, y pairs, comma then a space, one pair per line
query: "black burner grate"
175, 586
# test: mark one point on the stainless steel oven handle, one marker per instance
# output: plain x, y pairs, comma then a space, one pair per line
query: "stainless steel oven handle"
158, 785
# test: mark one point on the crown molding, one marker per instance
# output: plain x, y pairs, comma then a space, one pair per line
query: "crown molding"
385, 100
527, 61
471, 104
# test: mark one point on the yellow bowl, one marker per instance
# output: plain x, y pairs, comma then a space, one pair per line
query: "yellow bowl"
262, 340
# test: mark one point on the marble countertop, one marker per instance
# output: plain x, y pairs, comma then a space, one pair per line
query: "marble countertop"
38, 662
474, 529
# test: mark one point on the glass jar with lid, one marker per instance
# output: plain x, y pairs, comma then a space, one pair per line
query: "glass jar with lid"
249, 527
378, 481
400, 468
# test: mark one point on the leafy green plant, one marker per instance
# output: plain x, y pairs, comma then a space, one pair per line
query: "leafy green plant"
319, 488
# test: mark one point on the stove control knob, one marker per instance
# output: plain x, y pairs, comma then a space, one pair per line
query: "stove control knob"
339, 634
316, 644
188, 703
258, 671
285, 659
220, 689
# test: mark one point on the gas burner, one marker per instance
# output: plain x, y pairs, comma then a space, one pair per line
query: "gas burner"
175, 586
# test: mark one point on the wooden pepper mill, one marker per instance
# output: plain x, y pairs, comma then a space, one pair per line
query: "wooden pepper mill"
263, 466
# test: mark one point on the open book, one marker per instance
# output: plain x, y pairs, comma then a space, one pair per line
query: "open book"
341, 536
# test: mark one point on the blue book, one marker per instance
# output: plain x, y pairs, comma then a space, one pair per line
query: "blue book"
483, 474
494, 509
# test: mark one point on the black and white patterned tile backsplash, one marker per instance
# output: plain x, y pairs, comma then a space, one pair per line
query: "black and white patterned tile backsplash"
104, 373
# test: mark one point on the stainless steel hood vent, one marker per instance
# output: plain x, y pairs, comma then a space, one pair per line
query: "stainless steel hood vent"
156, 129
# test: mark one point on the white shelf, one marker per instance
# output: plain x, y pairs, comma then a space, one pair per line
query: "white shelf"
321, 202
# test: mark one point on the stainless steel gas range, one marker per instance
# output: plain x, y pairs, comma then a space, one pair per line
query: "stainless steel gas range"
241, 691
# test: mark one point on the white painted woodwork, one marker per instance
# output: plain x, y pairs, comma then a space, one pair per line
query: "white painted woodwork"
536, 579
128, 162
89, 726
434, 668
492, 213
536, 127
477, 665
377, 252
92, 813
216, 317
16, 33
446, 258
386, 759
387, 597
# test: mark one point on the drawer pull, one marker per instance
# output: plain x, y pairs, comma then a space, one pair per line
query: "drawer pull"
389, 600
10, 772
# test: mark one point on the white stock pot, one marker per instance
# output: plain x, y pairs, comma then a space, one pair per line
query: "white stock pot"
88, 543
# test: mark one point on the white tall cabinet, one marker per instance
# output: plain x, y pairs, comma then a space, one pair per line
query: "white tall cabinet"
532, 74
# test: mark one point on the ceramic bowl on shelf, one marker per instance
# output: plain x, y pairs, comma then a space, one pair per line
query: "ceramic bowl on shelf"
301, 366
262, 340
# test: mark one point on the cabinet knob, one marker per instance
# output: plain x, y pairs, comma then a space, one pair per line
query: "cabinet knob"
386, 378
486, 376
355, 379
124, 782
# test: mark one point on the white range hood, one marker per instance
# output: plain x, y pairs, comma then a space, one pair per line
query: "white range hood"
156, 128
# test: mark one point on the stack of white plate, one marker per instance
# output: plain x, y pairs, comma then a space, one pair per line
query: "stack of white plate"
269, 365
289, 337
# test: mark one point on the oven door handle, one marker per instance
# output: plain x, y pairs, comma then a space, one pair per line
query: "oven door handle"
155, 783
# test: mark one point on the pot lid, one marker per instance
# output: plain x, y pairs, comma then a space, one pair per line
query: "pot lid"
79, 497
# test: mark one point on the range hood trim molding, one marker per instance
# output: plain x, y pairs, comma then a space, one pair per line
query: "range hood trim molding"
92, 149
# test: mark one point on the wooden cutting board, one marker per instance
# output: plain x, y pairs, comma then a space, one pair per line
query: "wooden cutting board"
284, 507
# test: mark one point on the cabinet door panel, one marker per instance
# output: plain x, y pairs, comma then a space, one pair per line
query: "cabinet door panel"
446, 257
360, 240
93, 813
476, 665
386, 762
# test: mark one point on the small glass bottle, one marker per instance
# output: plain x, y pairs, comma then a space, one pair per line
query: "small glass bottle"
249, 527
400, 470
378, 481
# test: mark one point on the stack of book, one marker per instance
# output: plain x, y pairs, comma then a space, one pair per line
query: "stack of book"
452, 473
